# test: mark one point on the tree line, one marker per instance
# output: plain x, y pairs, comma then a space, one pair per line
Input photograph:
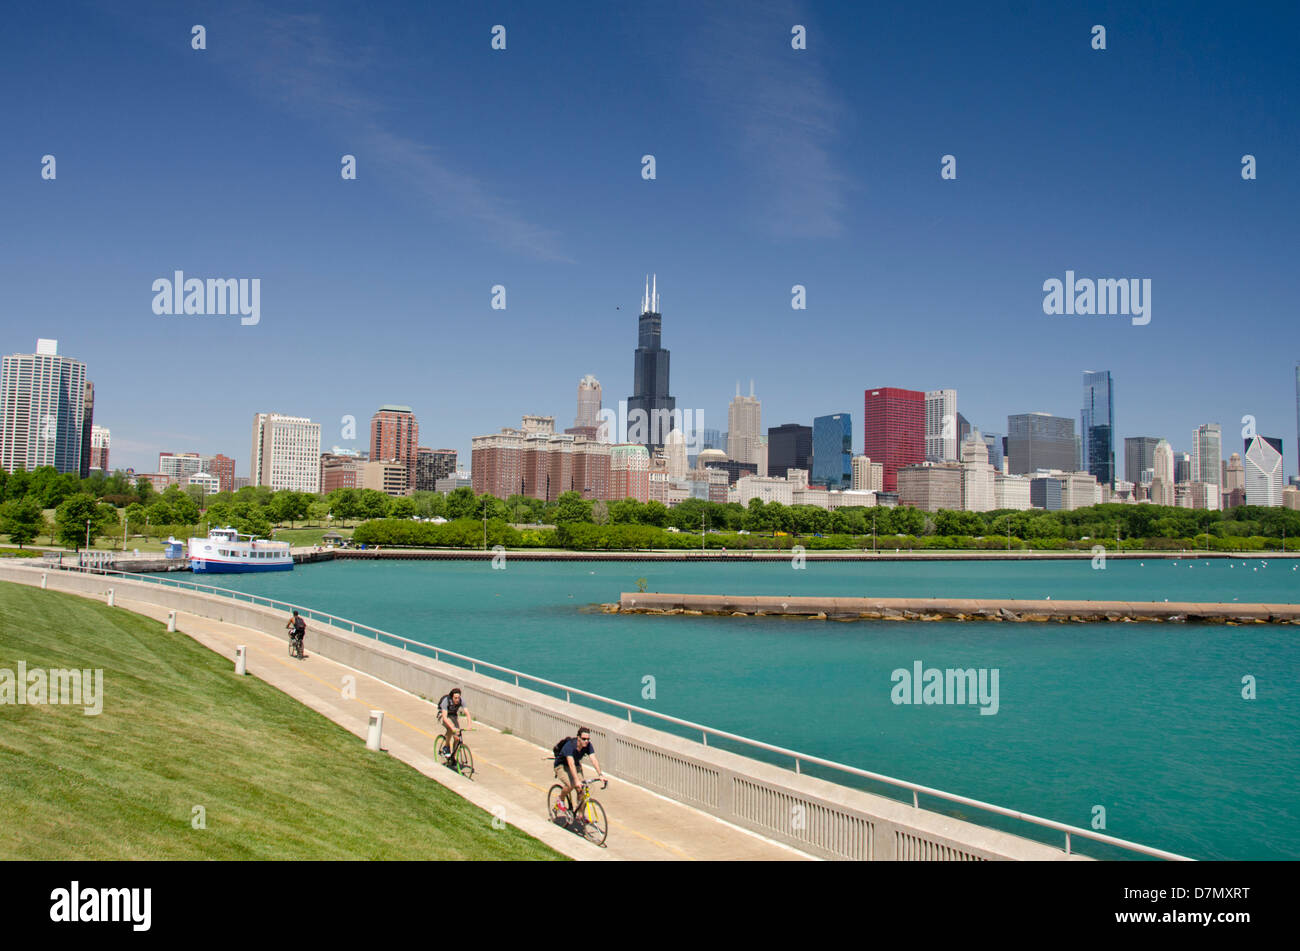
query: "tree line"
113, 506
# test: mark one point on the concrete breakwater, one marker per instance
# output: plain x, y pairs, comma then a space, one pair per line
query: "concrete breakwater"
950, 609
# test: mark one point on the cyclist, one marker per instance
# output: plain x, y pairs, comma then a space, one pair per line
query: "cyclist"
298, 628
450, 707
568, 762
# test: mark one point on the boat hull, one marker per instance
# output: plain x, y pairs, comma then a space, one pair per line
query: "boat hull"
210, 567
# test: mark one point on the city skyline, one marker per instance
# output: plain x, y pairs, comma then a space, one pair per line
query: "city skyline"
769, 175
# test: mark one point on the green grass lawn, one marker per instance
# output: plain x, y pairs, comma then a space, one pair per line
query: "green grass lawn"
179, 730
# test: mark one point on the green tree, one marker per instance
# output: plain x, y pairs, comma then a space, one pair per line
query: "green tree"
22, 520
72, 518
600, 512
374, 504
402, 507
461, 503
572, 507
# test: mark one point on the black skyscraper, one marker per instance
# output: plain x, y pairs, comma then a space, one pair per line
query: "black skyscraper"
788, 447
650, 409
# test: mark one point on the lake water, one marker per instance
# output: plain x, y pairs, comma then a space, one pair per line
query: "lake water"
1145, 720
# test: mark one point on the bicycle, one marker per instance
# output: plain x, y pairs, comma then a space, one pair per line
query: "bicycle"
464, 758
295, 647
589, 815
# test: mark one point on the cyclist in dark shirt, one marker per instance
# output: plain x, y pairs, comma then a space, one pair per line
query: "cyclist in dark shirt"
568, 762
297, 628
450, 707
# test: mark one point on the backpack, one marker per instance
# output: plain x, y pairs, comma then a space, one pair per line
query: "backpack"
555, 750
299, 625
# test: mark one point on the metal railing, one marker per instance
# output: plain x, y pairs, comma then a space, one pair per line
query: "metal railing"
705, 732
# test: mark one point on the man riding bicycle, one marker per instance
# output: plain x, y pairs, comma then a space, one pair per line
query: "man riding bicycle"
297, 628
450, 707
569, 753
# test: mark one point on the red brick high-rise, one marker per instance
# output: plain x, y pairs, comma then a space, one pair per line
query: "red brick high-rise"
395, 435
893, 423
223, 467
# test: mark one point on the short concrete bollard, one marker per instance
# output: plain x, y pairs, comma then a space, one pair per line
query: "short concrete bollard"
110, 597
171, 620
376, 734
44, 578
241, 660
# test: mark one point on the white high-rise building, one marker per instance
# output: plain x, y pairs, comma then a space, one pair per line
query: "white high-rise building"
1207, 454
977, 484
286, 453
1263, 464
1162, 474
941, 426
745, 427
1011, 492
42, 408
588, 402
178, 466
101, 440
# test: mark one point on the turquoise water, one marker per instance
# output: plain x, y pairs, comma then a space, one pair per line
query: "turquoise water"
1146, 720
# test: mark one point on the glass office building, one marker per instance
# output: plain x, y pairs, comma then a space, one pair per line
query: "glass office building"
832, 444
1097, 426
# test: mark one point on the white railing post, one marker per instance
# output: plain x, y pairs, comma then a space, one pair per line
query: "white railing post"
375, 733
241, 660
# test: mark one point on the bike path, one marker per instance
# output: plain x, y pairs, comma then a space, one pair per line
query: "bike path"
511, 775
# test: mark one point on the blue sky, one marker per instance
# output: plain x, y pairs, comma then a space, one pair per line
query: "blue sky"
775, 167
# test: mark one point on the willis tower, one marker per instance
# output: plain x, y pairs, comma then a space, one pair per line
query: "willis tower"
650, 409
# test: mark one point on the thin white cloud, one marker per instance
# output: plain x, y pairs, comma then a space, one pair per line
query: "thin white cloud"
292, 60
783, 113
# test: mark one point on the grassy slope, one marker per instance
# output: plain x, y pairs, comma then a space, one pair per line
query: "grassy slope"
179, 729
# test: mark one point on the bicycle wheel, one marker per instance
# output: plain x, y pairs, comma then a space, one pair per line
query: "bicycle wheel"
553, 803
440, 750
594, 824
465, 760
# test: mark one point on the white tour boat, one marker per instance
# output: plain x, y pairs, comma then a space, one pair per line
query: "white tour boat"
225, 550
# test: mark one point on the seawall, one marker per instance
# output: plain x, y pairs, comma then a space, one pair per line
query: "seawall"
951, 609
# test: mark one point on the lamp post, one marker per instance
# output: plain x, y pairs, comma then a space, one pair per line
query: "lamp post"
87, 534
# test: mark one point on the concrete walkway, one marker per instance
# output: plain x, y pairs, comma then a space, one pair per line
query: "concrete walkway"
511, 775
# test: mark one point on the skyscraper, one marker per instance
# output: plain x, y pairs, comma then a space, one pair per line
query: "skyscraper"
395, 437
1207, 454
432, 465
100, 441
788, 447
1041, 441
941, 426
1263, 465
1139, 453
588, 402
893, 430
832, 451
42, 410
1097, 426
650, 408
286, 453
87, 428
1162, 480
744, 426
